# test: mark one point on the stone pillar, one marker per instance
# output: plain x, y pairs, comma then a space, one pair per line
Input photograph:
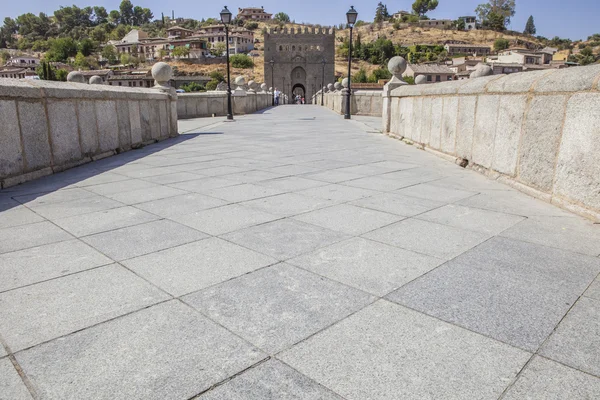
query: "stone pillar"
345, 93
396, 66
162, 74
239, 96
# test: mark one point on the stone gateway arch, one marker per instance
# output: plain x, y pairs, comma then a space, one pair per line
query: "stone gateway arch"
298, 55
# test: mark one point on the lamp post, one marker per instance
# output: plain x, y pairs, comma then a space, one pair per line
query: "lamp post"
272, 63
323, 79
351, 16
226, 20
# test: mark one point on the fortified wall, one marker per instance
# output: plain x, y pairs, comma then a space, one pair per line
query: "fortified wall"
537, 131
298, 56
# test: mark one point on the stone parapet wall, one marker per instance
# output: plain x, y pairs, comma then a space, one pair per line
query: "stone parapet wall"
47, 127
537, 131
363, 102
207, 104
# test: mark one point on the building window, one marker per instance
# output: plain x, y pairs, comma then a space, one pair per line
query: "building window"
120, 84
438, 78
428, 78
293, 48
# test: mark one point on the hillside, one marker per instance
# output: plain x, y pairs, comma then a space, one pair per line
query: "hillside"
368, 33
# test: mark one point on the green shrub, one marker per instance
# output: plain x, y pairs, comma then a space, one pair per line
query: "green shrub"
241, 61
251, 25
193, 87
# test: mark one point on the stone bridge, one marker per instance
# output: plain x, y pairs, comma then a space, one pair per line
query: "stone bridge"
293, 254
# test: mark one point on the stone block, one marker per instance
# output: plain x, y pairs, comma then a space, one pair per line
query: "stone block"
145, 111
108, 127
103, 221
508, 133
397, 353
578, 166
486, 120
181, 107
449, 122
202, 105
540, 141
35, 135
218, 106
11, 385
135, 122
398, 204
88, 127
466, 126
437, 112
124, 124
478, 85
426, 120
155, 119
517, 83
569, 80
64, 132
11, 154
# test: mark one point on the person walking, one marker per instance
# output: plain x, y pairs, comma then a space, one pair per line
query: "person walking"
276, 93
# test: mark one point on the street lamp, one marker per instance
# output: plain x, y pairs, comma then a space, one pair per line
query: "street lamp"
323, 80
351, 16
272, 82
226, 20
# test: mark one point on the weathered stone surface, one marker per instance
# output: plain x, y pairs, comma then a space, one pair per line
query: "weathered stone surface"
155, 119
566, 80
486, 120
88, 126
135, 122
516, 83
417, 120
25, 236
34, 133
540, 141
11, 385
466, 126
145, 111
449, 121
437, 112
124, 123
508, 133
578, 166
425, 117
108, 127
64, 131
11, 155
476, 86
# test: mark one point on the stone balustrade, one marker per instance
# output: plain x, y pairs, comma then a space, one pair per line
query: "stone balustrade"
48, 127
208, 104
537, 131
363, 102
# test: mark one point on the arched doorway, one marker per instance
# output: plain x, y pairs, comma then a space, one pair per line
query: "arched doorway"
298, 90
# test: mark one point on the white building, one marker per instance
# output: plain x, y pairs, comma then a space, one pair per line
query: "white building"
240, 40
30, 63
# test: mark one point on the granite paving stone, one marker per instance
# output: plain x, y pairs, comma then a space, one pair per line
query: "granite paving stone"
11, 385
189, 355
182, 204
203, 184
567, 233
397, 204
594, 290
121, 244
288, 204
348, 219
472, 219
513, 291
370, 266
102, 221
431, 192
47, 310
36, 264
292, 183
278, 306
338, 193
544, 379
332, 176
576, 340
30, 235
284, 238
71, 208
442, 241
270, 380
512, 202
221, 220
386, 351
253, 176
174, 177
59, 196
145, 195
242, 192
17, 215
194, 266
107, 189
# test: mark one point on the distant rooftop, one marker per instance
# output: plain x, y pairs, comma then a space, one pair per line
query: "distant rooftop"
430, 69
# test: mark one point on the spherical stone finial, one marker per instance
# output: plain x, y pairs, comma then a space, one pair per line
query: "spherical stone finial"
76, 76
482, 70
240, 81
345, 83
337, 86
330, 87
421, 79
264, 87
162, 73
271, 89
251, 84
397, 66
96, 80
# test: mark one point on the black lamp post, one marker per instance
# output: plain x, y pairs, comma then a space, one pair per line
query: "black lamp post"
351, 16
272, 63
226, 20
323, 80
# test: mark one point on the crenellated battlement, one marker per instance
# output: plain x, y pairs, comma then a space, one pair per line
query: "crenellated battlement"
302, 31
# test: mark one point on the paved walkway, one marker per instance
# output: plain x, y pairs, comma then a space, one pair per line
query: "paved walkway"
292, 255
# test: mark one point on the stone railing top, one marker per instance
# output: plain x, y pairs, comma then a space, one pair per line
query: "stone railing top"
14, 88
569, 80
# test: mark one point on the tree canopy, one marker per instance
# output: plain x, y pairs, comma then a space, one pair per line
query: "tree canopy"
421, 7
282, 17
530, 26
496, 14
381, 13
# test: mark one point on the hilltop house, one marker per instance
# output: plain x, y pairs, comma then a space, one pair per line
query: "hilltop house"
241, 40
470, 22
253, 13
433, 72
467, 49
27, 62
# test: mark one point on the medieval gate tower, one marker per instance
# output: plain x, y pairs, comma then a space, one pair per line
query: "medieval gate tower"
298, 56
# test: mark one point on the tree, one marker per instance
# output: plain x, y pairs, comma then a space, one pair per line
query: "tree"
193, 87
86, 47
360, 76
241, 61
496, 13
420, 7
4, 56
218, 49
110, 54
501, 44
61, 49
48, 72
100, 15
282, 17
180, 51
381, 13
126, 11
80, 61
530, 26
251, 25
460, 24
114, 17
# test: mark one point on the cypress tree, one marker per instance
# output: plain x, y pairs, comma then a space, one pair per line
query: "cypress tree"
530, 26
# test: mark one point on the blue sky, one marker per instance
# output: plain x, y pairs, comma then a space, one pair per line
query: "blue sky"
576, 19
